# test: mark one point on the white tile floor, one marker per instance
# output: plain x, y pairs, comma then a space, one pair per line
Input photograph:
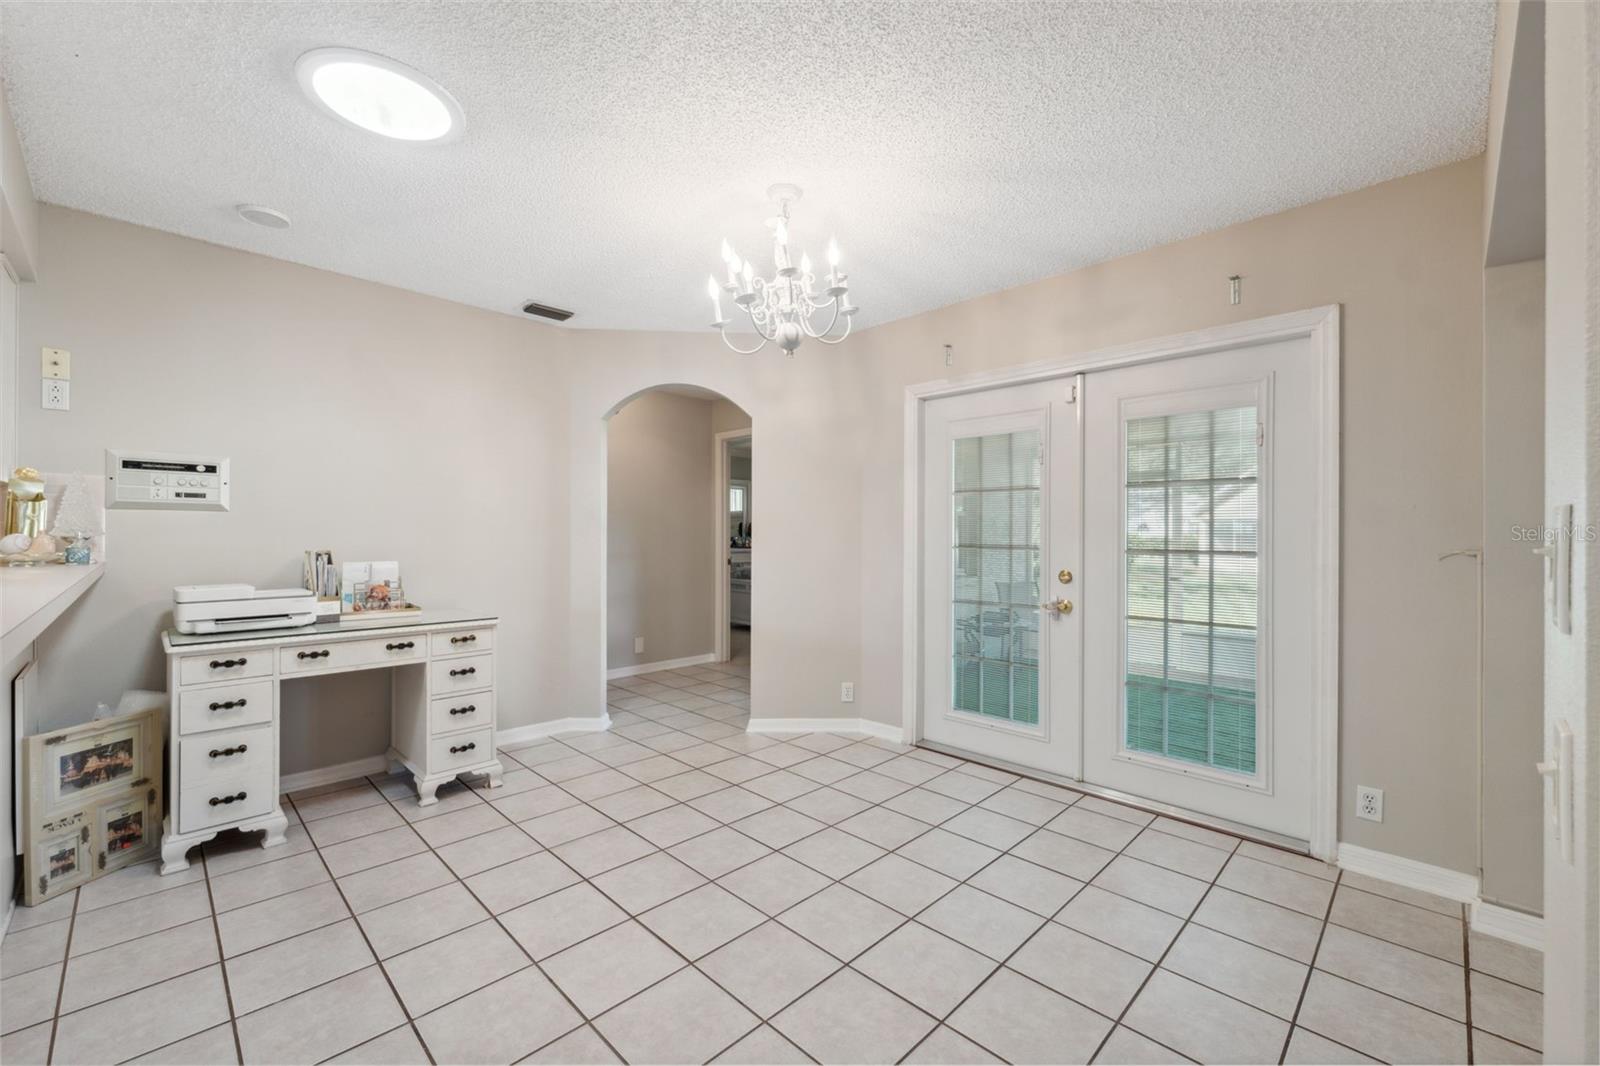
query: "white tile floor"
675, 890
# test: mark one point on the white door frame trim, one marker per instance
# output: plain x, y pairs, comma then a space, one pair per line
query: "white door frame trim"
719, 537
1318, 324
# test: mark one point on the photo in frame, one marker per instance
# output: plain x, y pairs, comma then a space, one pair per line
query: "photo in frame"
91, 801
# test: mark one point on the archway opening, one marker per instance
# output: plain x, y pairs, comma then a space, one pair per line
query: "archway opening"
680, 554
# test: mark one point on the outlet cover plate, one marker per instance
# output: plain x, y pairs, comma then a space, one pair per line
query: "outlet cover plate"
847, 692
55, 395
1369, 803
55, 363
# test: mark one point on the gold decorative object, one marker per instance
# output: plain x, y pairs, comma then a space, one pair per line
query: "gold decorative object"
27, 511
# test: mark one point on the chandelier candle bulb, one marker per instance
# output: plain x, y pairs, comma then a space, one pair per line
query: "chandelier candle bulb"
716, 299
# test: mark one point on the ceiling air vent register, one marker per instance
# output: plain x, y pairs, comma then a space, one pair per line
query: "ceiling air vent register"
539, 310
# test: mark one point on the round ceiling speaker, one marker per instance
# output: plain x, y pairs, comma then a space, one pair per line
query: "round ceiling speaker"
263, 216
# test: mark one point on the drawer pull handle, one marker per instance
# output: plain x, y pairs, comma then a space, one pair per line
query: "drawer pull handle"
458, 749
323, 654
228, 705
468, 639
464, 671
224, 664
218, 800
225, 752
402, 646
468, 709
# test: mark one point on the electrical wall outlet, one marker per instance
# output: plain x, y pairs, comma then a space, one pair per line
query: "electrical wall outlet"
847, 692
56, 395
638, 645
1369, 803
55, 363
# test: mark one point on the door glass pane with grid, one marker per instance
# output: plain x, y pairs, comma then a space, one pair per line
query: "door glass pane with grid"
1000, 492
994, 506
1191, 501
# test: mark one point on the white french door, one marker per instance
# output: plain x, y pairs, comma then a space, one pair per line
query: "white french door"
1174, 506
1200, 534
1001, 530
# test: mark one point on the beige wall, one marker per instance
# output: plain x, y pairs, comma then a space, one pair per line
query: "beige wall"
1404, 259
660, 581
182, 344
804, 415
1513, 582
359, 418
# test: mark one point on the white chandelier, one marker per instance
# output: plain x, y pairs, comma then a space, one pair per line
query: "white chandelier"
782, 309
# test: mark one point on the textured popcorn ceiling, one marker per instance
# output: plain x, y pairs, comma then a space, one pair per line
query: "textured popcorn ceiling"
955, 148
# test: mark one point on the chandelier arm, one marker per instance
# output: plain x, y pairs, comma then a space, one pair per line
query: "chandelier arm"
742, 351
848, 322
819, 334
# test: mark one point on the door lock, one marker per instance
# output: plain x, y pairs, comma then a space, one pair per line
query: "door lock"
1065, 577
1058, 606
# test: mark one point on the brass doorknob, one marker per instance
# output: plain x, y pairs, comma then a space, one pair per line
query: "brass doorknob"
1065, 577
1059, 606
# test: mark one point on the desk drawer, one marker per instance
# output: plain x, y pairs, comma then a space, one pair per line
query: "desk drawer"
228, 799
337, 655
225, 666
460, 749
462, 642
224, 706
466, 674
449, 714
216, 759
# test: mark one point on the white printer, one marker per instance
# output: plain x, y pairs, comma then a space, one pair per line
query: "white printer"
236, 608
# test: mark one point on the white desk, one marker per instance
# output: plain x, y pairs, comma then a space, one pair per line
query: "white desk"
222, 739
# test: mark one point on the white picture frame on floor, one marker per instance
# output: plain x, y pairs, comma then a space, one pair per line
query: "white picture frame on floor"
91, 801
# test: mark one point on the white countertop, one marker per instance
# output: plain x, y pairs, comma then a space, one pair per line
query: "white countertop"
32, 597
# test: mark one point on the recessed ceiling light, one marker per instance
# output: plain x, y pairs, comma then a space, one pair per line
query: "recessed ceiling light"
378, 95
263, 216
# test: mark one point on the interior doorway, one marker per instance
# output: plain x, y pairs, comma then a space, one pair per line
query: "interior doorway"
1128, 575
664, 461
734, 547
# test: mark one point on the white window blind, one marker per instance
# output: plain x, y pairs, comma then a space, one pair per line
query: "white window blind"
1192, 587
995, 502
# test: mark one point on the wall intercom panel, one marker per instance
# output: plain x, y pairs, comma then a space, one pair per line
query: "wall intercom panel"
166, 481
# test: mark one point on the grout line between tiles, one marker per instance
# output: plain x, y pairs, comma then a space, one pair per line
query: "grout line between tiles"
501, 925
227, 988
1165, 952
404, 1010
61, 988
1311, 967
1466, 979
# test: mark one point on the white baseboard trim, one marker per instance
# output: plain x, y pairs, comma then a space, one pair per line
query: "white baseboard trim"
1491, 919
377, 764
1409, 873
666, 664
827, 725
327, 775
527, 734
